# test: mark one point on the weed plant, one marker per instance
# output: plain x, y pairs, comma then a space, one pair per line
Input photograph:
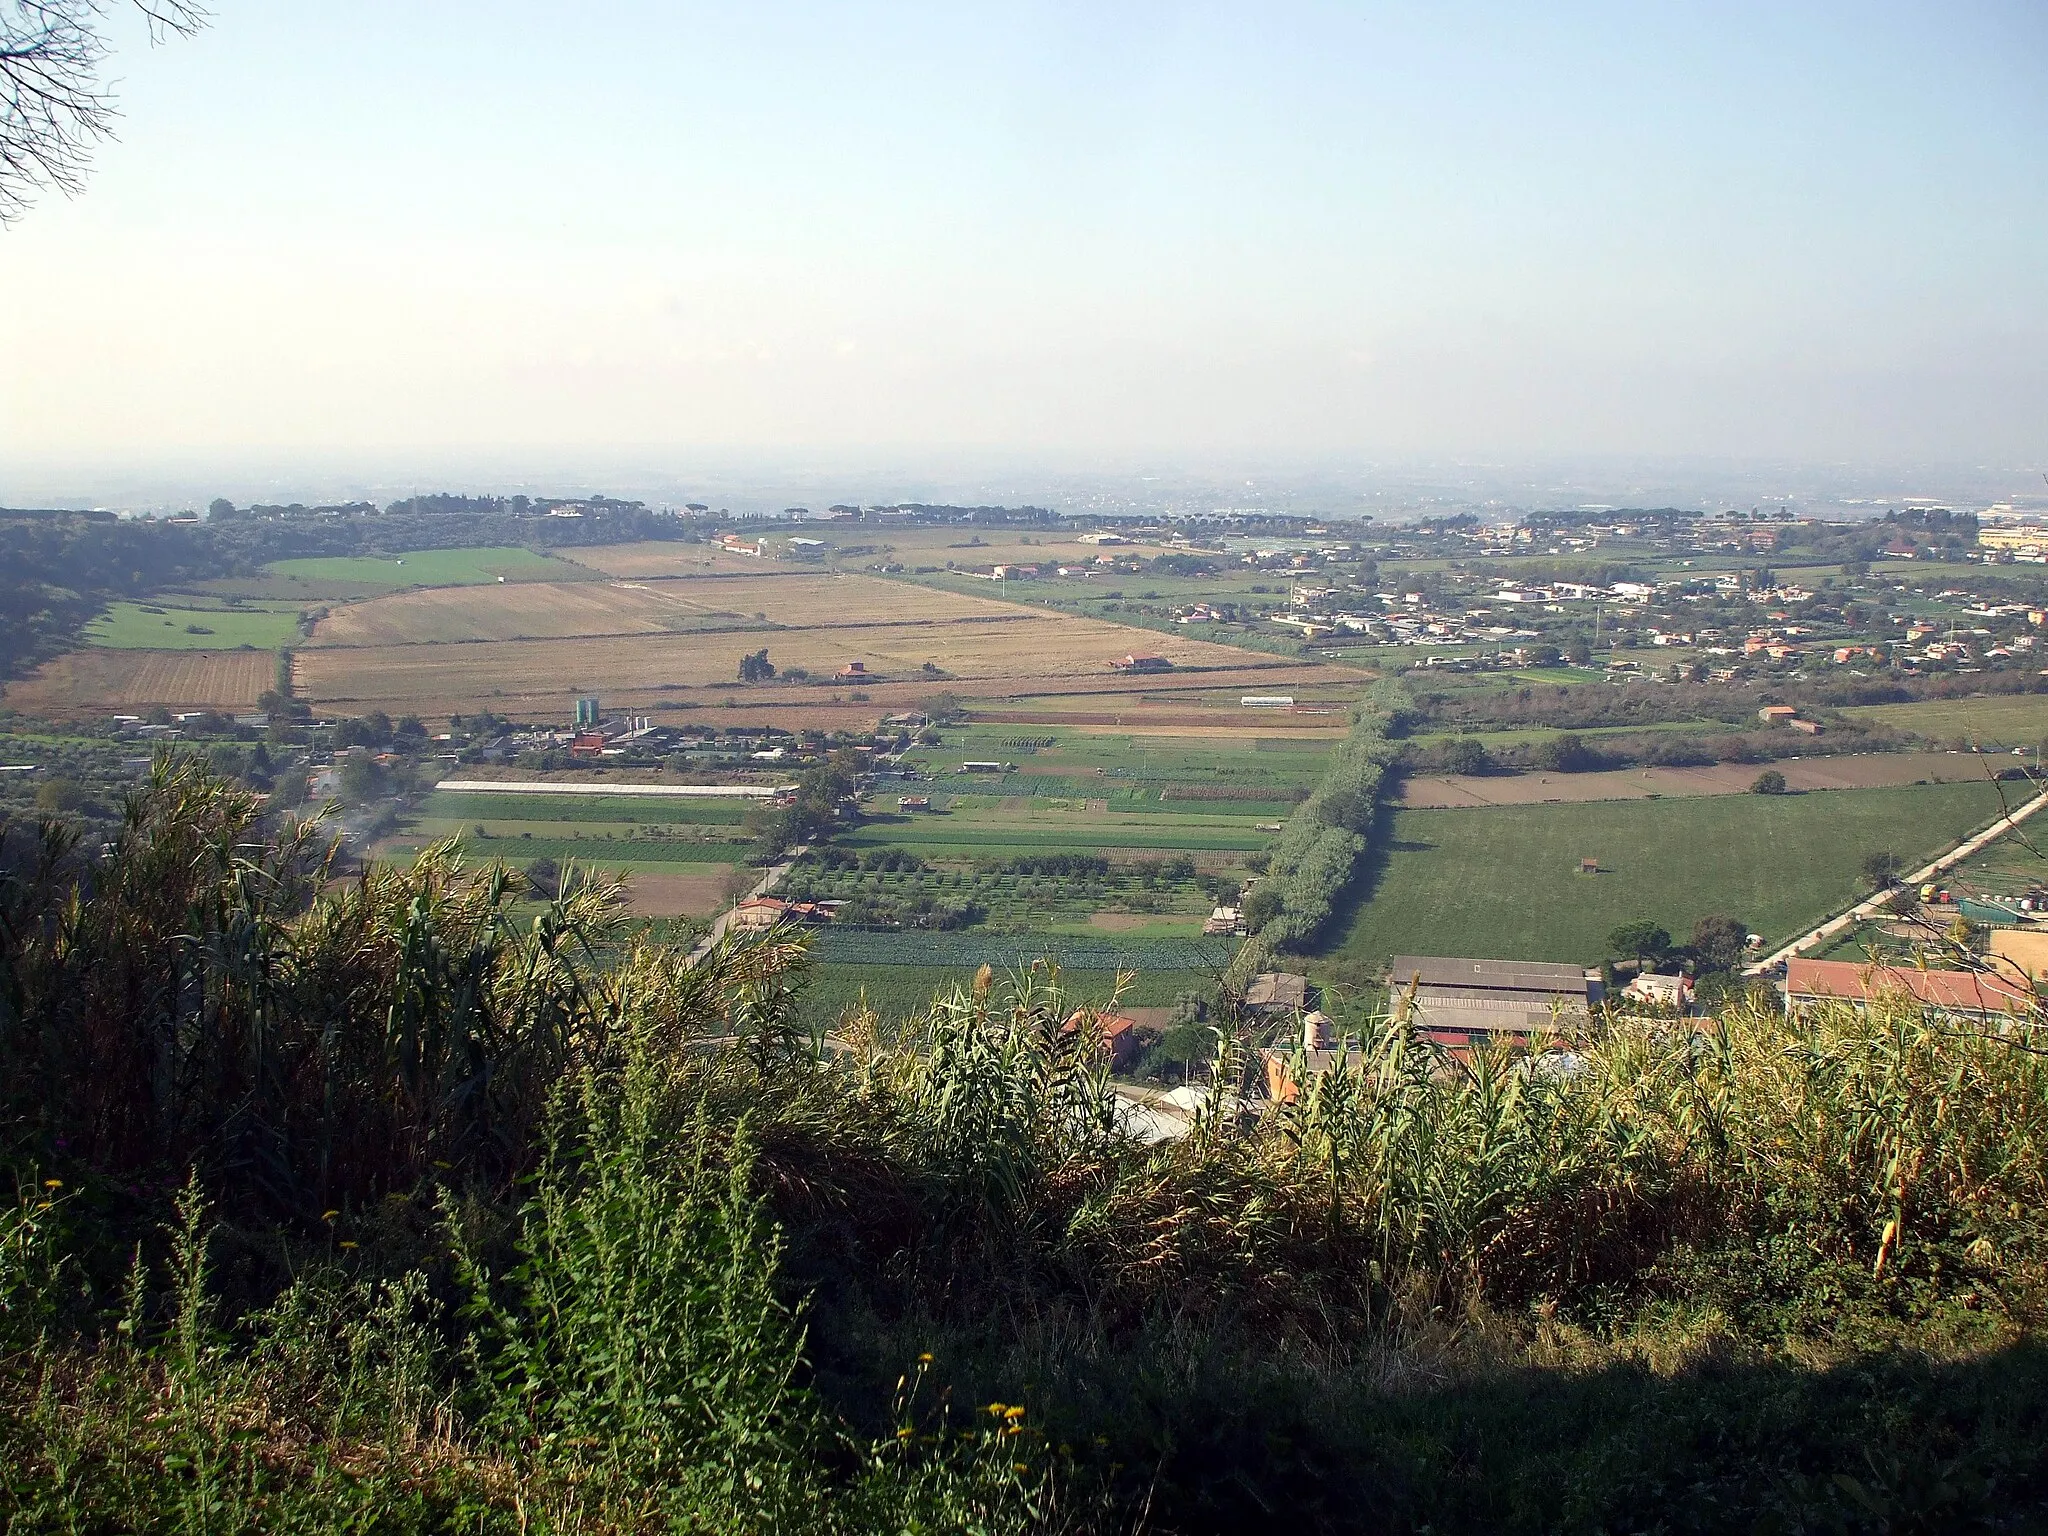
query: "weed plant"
359, 1204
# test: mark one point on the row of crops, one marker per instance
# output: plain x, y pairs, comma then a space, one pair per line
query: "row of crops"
1077, 952
585, 808
965, 839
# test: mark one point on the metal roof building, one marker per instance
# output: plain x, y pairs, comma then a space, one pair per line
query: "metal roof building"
1455, 1000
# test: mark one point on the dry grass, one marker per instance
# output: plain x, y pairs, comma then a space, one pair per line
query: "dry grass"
1872, 770
633, 642
650, 895
662, 558
537, 610
135, 680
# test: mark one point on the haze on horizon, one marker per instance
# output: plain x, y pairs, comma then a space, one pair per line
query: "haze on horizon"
1060, 231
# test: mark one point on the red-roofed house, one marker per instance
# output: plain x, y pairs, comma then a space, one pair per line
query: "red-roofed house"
1119, 1035
1964, 992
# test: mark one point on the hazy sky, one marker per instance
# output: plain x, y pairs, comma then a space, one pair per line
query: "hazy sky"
1070, 230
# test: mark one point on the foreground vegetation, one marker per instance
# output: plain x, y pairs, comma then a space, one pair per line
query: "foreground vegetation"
371, 1207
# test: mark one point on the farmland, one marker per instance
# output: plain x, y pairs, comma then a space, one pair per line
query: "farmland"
679, 855
2014, 720
1504, 882
1864, 771
422, 568
898, 991
675, 642
1102, 850
101, 679
183, 626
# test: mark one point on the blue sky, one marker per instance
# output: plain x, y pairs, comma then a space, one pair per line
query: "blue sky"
1064, 230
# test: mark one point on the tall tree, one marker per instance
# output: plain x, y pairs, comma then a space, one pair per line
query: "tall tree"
54, 105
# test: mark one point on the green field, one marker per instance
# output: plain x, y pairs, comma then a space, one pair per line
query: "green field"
994, 836
898, 991
1080, 756
679, 837
425, 568
632, 809
680, 856
1503, 883
164, 627
2014, 720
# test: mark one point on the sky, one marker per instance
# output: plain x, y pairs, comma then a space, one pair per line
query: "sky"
1081, 232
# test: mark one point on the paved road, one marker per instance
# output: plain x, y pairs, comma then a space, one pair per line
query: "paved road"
769, 880
1875, 904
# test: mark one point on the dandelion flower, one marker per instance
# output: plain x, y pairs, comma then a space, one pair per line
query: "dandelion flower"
924, 1359
53, 1183
346, 1243
1015, 1411
995, 1410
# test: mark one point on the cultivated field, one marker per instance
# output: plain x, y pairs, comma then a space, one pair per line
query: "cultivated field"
549, 610
105, 679
898, 991
170, 626
2019, 720
634, 645
425, 568
340, 578
678, 855
904, 546
1871, 770
1504, 884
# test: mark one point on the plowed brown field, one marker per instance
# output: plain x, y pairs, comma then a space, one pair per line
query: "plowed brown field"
540, 610
676, 642
1870, 770
95, 679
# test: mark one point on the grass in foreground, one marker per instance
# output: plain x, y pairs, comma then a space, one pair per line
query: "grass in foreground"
495, 1236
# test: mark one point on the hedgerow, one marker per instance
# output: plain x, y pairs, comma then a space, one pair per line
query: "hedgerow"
1320, 847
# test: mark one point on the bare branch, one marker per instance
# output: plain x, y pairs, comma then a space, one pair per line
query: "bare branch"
53, 105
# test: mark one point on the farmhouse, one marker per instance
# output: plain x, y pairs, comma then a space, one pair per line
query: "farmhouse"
1968, 994
1118, 1032
1457, 1002
1136, 662
1276, 992
914, 803
1318, 1053
1225, 921
764, 912
853, 672
1660, 991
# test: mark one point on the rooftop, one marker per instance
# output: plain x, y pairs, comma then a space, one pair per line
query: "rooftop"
1507, 980
1964, 991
